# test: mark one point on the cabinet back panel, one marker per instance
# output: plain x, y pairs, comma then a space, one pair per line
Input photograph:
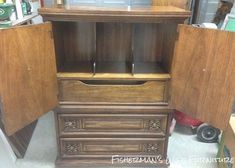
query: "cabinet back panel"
147, 42
58, 31
154, 43
79, 41
113, 42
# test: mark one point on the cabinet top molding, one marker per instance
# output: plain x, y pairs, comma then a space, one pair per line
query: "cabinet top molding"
115, 14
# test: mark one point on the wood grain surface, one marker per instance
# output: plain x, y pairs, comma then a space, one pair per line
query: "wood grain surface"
112, 125
203, 75
113, 42
106, 147
28, 74
136, 14
150, 92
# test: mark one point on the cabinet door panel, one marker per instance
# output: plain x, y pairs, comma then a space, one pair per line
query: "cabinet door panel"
28, 81
203, 74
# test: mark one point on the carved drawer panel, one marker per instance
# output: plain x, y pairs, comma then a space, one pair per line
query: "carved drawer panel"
106, 147
112, 124
124, 92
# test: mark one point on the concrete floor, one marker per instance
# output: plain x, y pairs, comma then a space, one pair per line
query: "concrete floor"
184, 150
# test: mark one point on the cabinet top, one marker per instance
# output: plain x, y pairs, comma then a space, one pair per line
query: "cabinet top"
114, 14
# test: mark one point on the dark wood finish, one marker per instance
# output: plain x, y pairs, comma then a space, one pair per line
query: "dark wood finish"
58, 34
148, 68
83, 67
27, 59
113, 42
107, 147
21, 139
88, 92
79, 41
113, 67
74, 42
155, 47
147, 42
104, 125
203, 75
138, 14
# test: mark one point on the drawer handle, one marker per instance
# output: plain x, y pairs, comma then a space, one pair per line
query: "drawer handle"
112, 82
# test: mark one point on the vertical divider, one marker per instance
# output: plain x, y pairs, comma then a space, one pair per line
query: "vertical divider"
95, 54
132, 49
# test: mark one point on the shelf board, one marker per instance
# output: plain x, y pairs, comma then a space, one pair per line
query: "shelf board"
110, 76
103, 14
113, 70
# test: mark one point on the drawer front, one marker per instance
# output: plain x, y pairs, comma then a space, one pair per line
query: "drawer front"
107, 147
104, 92
112, 124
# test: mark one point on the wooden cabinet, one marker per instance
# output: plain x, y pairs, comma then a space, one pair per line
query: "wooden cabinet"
114, 76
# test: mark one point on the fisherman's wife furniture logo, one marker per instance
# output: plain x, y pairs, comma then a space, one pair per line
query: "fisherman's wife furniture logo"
131, 159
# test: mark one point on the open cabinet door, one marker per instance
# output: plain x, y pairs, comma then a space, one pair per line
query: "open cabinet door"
203, 74
28, 83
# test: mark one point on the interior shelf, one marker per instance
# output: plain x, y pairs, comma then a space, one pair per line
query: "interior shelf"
101, 50
113, 67
113, 70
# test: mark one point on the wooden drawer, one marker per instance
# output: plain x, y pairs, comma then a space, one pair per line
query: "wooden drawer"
107, 147
121, 125
113, 92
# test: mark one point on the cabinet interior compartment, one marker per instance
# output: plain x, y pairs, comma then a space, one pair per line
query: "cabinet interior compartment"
74, 46
114, 47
